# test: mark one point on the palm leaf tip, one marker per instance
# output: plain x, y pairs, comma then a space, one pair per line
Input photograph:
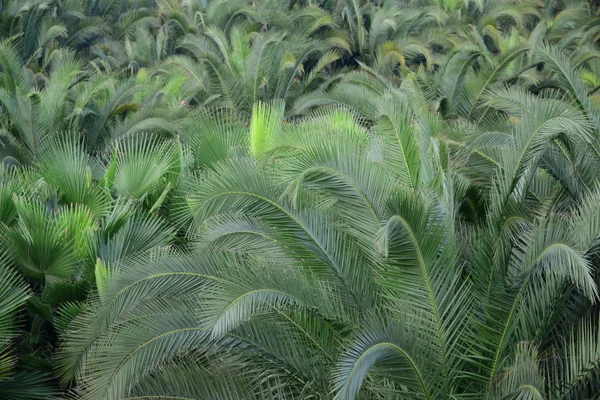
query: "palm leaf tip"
265, 124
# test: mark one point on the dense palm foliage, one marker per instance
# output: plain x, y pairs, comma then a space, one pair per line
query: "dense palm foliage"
336, 199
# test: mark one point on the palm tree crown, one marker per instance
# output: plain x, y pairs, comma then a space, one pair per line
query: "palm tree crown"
353, 199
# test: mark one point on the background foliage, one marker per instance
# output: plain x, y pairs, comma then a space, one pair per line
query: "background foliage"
336, 199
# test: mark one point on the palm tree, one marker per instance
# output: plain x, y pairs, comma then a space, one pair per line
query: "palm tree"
250, 66
323, 199
341, 263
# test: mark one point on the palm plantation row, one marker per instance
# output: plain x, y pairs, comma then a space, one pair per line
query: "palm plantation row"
336, 199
